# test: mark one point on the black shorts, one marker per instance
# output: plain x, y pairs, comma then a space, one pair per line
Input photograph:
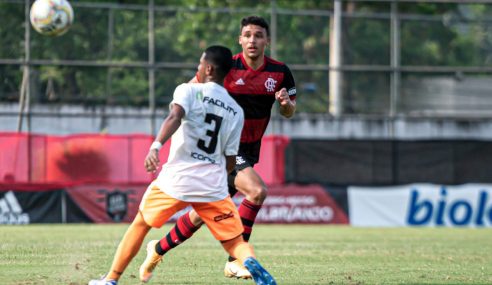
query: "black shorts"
242, 162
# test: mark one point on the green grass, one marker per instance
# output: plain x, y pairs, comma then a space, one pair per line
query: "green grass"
73, 254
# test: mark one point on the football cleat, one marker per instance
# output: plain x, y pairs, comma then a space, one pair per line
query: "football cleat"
151, 261
260, 275
103, 281
234, 269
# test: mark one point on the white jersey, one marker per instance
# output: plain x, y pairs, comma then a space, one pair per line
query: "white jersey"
211, 128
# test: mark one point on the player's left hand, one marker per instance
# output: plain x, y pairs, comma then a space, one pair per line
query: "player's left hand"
282, 97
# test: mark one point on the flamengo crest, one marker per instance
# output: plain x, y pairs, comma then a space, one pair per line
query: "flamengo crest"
270, 84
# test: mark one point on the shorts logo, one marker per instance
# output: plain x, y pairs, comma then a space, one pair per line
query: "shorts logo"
270, 84
223, 217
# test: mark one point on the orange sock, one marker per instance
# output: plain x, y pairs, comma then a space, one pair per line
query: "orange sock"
238, 248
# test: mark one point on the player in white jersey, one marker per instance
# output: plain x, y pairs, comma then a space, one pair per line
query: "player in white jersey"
205, 124
210, 129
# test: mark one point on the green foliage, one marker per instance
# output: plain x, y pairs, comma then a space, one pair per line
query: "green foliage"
294, 254
458, 35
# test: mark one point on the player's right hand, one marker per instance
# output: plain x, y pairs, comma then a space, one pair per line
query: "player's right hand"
152, 161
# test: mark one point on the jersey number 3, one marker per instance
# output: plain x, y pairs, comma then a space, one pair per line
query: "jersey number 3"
213, 134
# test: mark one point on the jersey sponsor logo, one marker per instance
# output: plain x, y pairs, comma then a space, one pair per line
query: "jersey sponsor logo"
223, 216
240, 81
219, 103
292, 91
202, 157
199, 95
11, 212
270, 84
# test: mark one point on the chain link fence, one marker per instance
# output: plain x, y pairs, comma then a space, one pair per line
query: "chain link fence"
396, 58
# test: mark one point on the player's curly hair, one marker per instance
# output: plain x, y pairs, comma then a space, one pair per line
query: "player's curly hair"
255, 20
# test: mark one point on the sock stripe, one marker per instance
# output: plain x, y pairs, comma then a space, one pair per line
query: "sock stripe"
179, 233
246, 236
170, 242
251, 207
189, 225
247, 223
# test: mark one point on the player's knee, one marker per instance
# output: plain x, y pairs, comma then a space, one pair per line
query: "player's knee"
258, 194
195, 219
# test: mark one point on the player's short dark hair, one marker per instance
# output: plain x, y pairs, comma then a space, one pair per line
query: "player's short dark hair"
255, 20
221, 58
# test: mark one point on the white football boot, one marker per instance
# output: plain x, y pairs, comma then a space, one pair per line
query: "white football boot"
151, 261
234, 269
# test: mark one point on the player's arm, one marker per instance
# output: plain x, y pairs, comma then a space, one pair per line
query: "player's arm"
286, 96
287, 106
168, 127
230, 163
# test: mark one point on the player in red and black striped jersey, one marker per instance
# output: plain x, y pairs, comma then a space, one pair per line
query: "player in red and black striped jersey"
256, 82
255, 91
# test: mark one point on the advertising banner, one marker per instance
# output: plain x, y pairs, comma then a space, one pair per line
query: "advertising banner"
118, 203
427, 205
108, 203
18, 208
306, 204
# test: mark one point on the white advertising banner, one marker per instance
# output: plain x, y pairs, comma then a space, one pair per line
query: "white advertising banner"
426, 205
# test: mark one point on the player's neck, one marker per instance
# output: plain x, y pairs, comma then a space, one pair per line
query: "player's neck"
254, 63
214, 80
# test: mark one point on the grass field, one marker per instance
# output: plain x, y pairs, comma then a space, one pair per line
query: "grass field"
72, 254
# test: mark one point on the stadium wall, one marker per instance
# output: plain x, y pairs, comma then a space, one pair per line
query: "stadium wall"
72, 119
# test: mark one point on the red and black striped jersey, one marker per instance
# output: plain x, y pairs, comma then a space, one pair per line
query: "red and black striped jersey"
254, 91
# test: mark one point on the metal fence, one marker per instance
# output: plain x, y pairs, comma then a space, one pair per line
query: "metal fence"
385, 58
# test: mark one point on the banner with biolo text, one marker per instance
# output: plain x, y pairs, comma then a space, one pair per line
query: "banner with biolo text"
424, 205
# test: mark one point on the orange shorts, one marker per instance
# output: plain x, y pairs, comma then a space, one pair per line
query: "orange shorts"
221, 217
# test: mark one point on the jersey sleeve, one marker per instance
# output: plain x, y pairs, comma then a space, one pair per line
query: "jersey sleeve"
232, 145
289, 83
181, 96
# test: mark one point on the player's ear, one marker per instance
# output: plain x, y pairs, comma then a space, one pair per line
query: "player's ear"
239, 40
209, 69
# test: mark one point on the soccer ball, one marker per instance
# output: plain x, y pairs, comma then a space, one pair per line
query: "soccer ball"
51, 17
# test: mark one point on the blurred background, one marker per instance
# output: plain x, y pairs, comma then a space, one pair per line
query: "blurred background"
389, 93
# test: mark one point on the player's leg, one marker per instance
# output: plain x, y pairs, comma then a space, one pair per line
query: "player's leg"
244, 253
185, 227
157, 208
248, 182
127, 249
224, 223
